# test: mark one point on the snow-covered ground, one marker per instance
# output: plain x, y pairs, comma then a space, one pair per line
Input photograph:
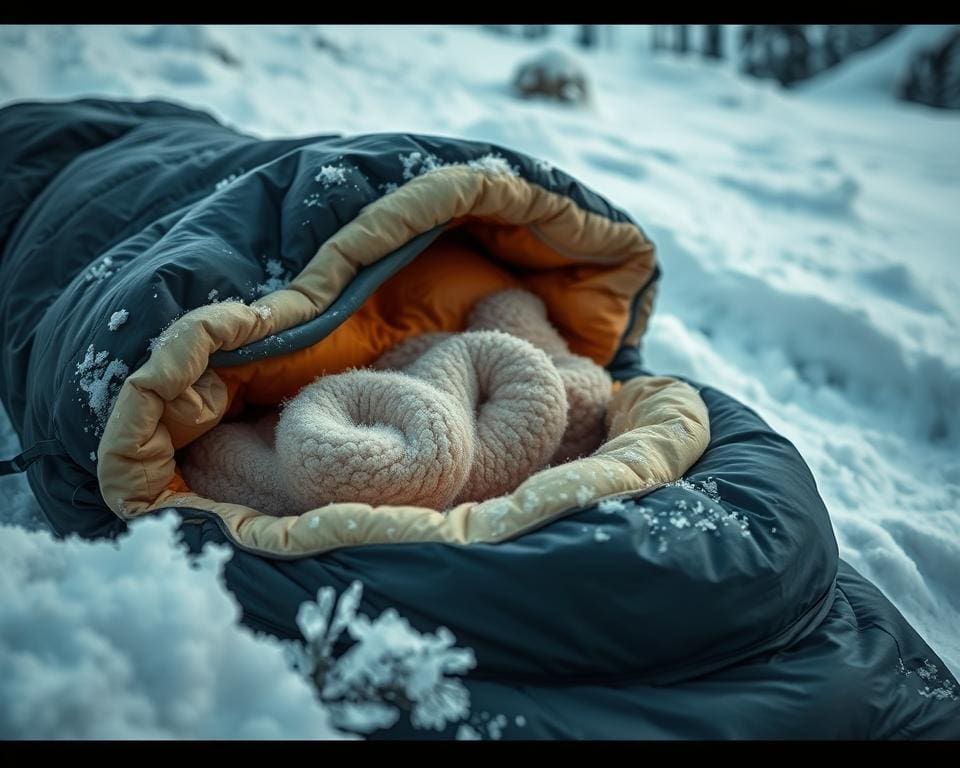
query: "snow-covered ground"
809, 247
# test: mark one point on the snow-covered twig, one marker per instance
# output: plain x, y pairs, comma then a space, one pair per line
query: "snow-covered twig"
391, 668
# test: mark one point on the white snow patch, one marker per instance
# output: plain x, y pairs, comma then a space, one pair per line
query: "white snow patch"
707, 487
80, 650
331, 175
100, 270
168, 334
495, 511
100, 378
117, 319
420, 163
227, 181
933, 686
417, 163
584, 494
610, 506
494, 164
496, 725
530, 500
278, 278
676, 524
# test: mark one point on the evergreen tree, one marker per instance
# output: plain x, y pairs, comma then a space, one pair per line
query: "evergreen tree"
713, 42
933, 77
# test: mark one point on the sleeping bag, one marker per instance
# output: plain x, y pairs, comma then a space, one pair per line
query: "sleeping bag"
162, 273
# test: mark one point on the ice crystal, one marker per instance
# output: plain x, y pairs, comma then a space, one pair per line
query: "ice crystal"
390, 668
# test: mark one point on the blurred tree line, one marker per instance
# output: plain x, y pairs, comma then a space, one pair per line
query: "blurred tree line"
790, 53
787, 53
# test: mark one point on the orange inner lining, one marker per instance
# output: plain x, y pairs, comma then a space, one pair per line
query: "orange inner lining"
588, 303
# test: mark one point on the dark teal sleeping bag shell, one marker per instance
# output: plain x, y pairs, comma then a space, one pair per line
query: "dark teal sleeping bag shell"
713, 608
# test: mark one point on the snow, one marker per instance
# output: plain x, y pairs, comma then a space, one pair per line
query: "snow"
708, 487
117, 319
610, 506
668, 527
279, 277
331, 175
137, 641
807, 239
100, 270
389, 662
417, 163
227, 181
494, 164
100, 378
584, 494
929, 675
496, 725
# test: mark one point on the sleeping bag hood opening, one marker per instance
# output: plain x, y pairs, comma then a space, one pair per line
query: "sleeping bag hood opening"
462, 233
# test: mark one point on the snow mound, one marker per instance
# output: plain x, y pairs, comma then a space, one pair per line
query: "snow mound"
137, 641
